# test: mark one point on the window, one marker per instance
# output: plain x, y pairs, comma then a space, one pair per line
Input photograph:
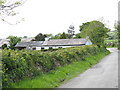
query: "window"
42, 48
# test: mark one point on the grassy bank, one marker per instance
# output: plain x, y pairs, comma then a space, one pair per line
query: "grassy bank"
61, 74
18, 65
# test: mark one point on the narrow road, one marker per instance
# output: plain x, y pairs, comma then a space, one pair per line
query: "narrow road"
102, 75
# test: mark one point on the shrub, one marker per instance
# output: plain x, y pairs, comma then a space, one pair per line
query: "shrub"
112, 44
18, 65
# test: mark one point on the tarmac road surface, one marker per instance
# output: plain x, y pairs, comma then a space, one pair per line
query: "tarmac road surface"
102, 75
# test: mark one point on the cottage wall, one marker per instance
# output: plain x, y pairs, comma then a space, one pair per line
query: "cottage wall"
88, 42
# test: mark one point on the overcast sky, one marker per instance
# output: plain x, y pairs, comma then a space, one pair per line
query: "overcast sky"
55, 16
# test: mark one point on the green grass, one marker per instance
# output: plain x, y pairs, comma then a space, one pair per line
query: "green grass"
111, 47
60, 75
113, 40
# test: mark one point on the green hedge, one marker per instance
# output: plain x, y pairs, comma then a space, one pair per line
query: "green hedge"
20, 64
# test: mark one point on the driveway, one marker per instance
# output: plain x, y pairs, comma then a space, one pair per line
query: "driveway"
102, 75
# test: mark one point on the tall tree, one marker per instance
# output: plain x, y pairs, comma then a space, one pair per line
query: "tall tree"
71, 31
13, 40
63, 36
96, 31
83, 26
40, 37
60, 36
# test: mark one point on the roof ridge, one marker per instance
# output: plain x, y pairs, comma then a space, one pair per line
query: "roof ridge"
68, 39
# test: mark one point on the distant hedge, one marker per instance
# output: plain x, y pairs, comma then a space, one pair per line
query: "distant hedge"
112, 44
20, 64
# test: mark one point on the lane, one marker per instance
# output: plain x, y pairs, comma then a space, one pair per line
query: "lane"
102, 75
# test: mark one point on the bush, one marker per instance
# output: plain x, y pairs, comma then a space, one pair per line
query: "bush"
112, 44
18, 65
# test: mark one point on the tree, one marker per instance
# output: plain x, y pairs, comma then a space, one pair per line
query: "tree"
57, 36
6, 8
78, 35
63, 36
24, 36
83, 26
113, 35
40, 37
118, 30
60, 36
13, 40
48, 35
96, 31
4, 46
71, 31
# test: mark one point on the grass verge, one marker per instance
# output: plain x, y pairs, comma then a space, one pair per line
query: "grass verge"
111, 47
61, 74
113, 40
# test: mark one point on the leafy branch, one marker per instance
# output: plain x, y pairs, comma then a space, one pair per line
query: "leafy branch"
6, 9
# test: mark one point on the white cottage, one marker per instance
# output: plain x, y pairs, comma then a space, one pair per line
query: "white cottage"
31, 45
53, 43
64, 43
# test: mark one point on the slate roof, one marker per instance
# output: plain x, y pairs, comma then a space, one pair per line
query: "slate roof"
53, 42
65, 42
27, 39
30, 44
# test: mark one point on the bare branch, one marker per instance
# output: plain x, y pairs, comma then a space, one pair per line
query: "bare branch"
7, 6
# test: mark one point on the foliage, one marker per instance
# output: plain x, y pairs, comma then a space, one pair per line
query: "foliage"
83, 26
96, 31
78, 35
63, 36
6, 9
111, 43
56, 77
71, 31
18, 65
113, 35
57, 36
69, 35
13, 41
25, 37
60, 36
48, 35
118, 30
4, 46
1, 2
40, 37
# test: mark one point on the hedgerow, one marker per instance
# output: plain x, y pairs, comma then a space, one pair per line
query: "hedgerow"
20, 64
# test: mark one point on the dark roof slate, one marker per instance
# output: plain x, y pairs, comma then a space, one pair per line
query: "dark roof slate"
30, 44
53, 42
65, 42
